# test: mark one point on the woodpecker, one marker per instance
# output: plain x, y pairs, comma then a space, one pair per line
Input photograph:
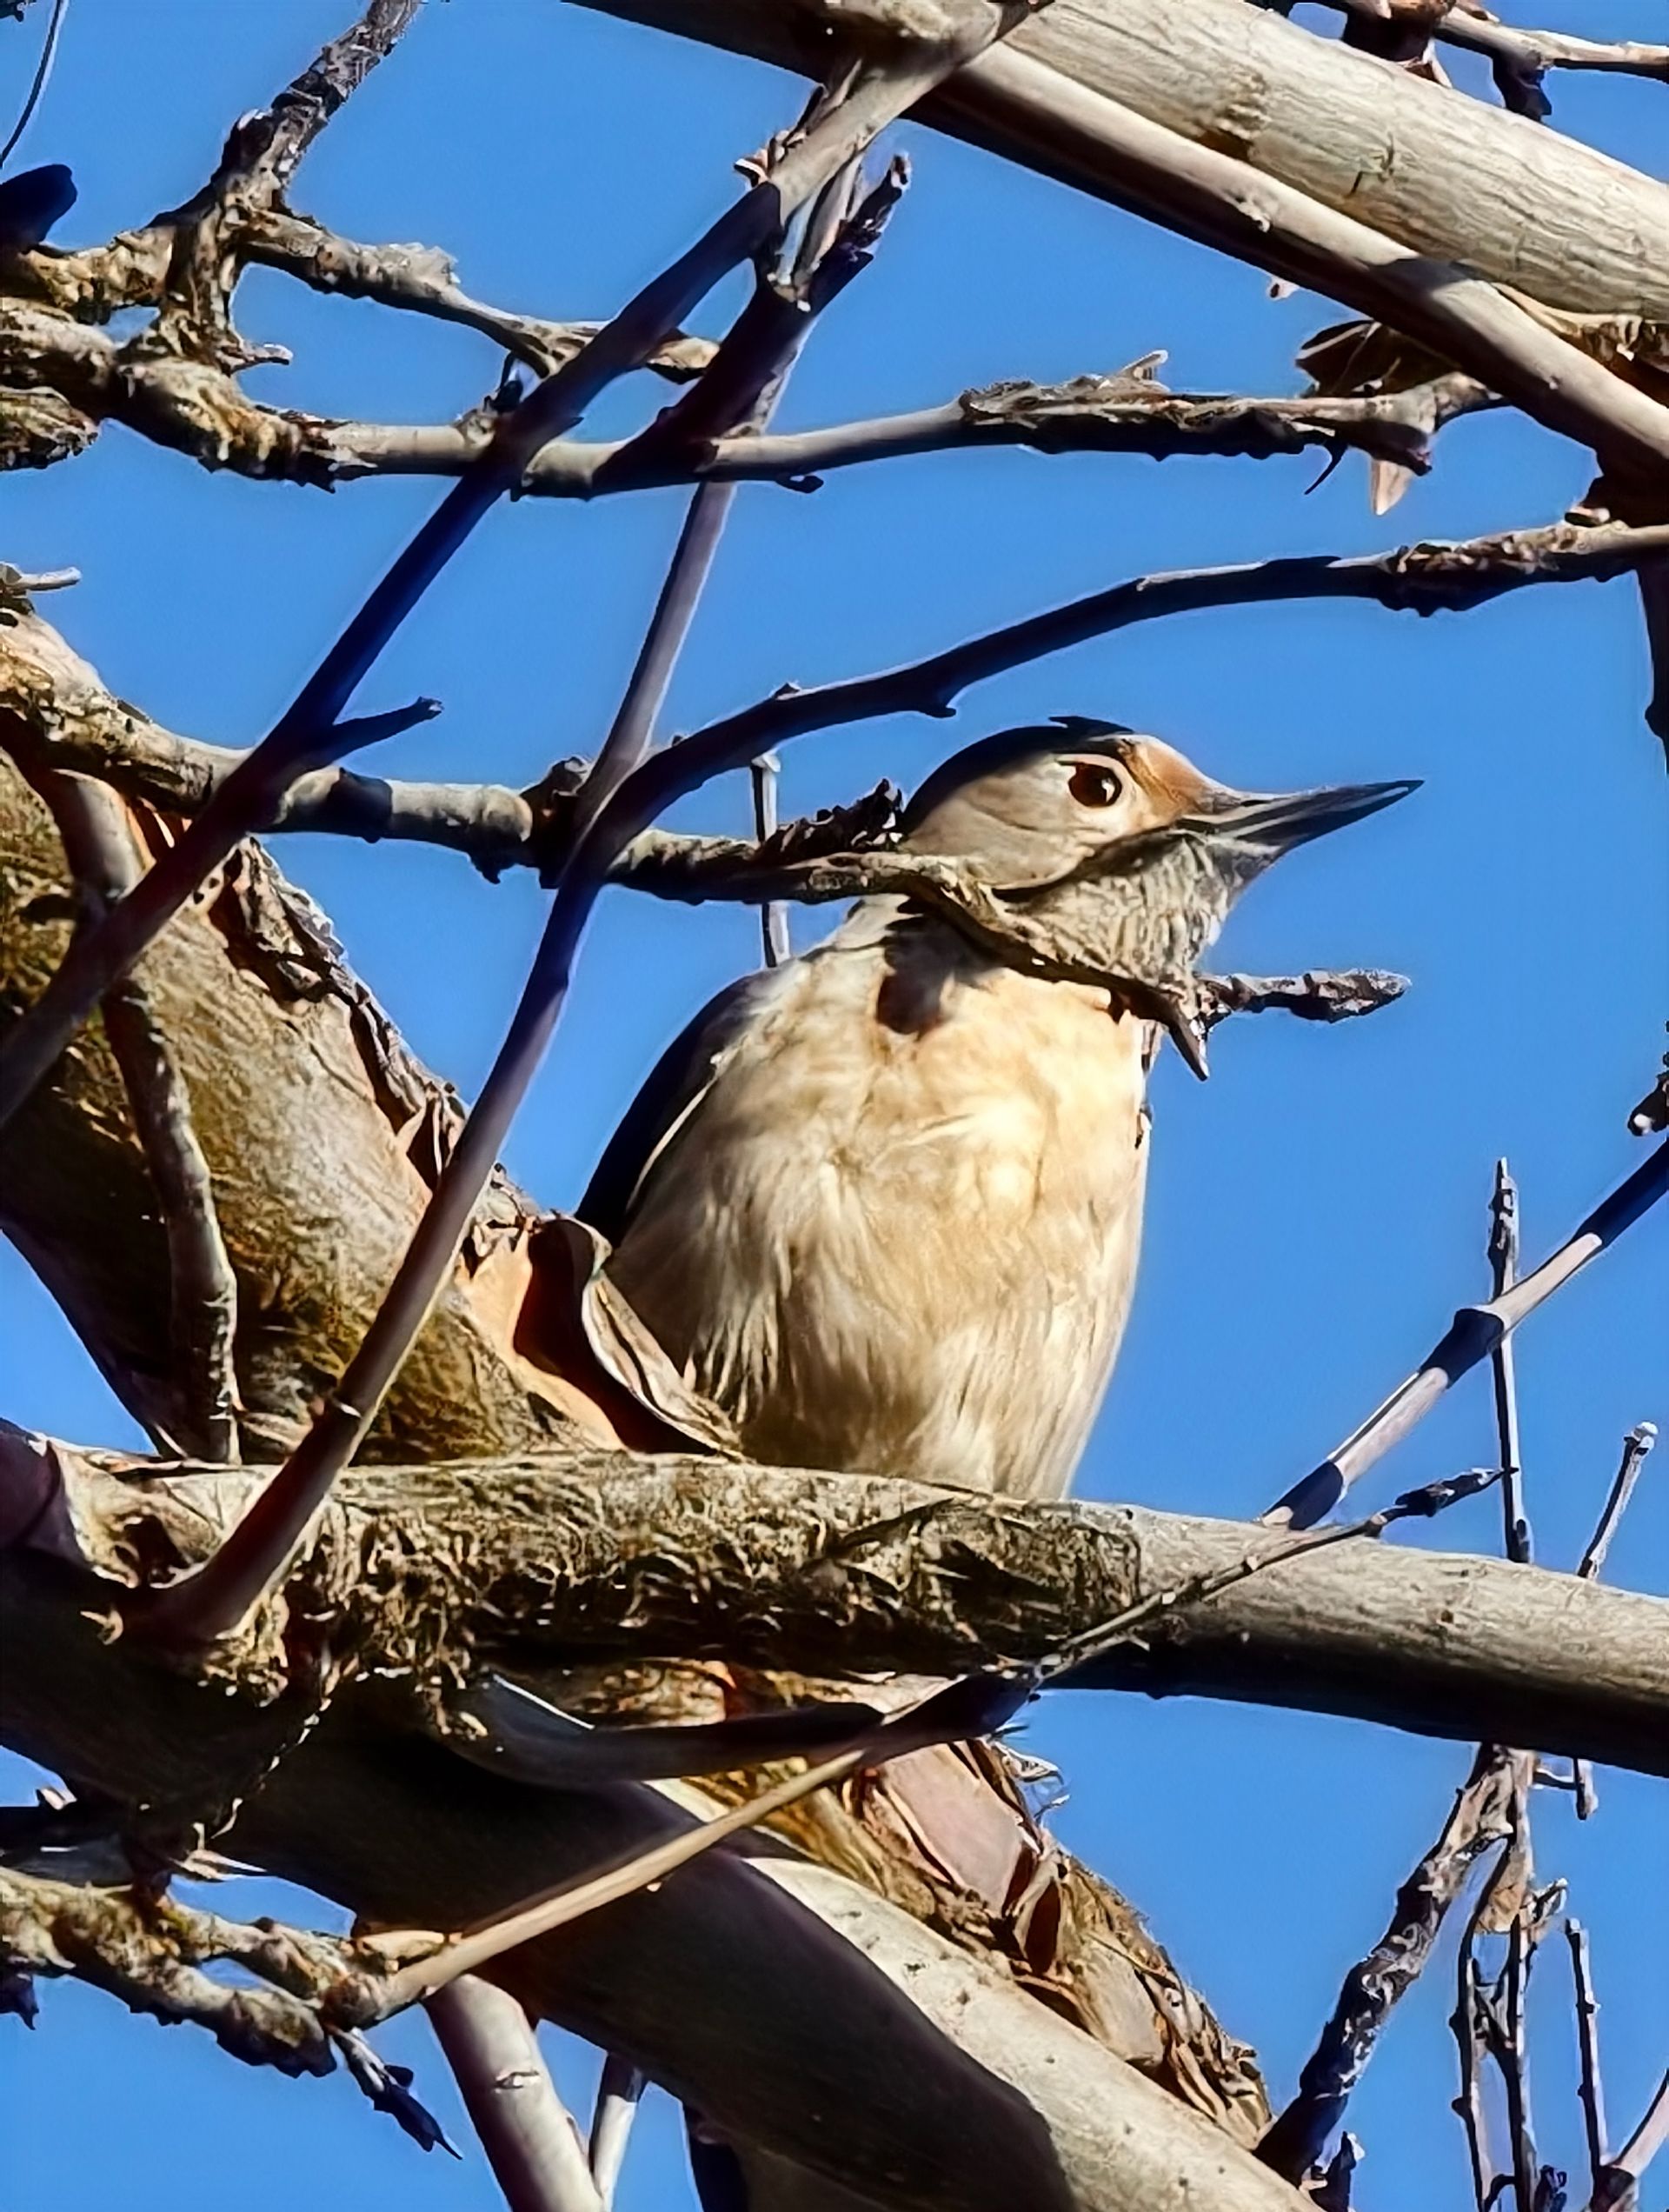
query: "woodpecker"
884, 1203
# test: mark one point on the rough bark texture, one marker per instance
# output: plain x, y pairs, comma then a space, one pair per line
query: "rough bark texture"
431, 1572
1446, 175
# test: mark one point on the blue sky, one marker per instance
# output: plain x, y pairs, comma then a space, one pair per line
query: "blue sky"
1316, 1210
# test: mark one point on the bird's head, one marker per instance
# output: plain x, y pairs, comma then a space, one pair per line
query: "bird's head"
1028, 807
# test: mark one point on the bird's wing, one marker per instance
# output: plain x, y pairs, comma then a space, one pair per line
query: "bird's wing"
674, 1088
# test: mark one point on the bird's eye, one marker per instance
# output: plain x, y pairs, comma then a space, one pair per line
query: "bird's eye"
1093, 784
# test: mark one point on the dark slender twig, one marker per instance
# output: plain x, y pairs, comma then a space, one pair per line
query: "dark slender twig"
531, 2141
1423, 578
1473, 1335
1503, 1268
1638, 1442
1636, 1446
1591, 2086
38, 83
1295, 2140
500, 828
632, 731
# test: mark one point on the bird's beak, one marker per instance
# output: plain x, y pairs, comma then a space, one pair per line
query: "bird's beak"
1273, 822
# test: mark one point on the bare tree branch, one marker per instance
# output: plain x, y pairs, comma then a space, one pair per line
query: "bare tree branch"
421, 280
1619, 2188
1147, 2152
1453, 180
1376, 1984
526, 2130
1520, 58
619, 2093
1472, 1335
1591, 2086
1638, 1442
833, 1576
196, 409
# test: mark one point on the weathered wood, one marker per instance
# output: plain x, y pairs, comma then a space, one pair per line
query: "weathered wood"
1447, 175
547, 1563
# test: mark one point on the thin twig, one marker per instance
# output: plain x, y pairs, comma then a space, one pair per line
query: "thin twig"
1636, 1446
38, 85
1296, 2140
1519, 58
1080, 1652
1591, 2086
632, 731
500, 828
1469, 2040
1474, 1332
1503, 1268
531, 2143
1620, 2189
1423, 578
1513, 2055
177, 400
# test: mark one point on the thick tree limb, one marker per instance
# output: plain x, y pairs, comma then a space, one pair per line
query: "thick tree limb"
1117, 2145
1451, 180
1144, 100
542, 1562
860, 1564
